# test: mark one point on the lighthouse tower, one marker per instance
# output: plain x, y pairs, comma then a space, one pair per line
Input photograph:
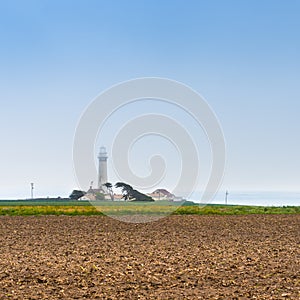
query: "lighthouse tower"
102, 172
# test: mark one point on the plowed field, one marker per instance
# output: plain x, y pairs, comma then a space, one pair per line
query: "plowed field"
178, 257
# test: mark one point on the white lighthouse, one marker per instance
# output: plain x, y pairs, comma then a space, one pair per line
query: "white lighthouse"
102, 172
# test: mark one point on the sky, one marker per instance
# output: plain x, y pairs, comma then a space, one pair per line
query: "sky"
243, 57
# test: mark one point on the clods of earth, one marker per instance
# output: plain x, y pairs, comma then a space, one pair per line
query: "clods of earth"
177, 257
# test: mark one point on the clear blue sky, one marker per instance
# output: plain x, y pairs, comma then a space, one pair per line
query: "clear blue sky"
56, 56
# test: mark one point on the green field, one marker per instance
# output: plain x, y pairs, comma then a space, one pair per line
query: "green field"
23, 208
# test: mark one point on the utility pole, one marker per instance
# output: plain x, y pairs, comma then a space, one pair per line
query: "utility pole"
32, 188
226, 197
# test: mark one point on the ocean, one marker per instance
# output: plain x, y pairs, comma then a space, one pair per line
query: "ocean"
260, 198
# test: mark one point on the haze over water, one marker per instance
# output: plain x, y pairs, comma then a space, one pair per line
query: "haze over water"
260, 198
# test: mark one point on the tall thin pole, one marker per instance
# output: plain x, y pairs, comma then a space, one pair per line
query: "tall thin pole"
226, 197
32, 188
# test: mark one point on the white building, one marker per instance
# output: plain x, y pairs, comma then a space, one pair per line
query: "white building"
102, 170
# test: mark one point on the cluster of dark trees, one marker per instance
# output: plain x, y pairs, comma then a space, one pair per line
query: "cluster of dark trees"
128, 192
76, 194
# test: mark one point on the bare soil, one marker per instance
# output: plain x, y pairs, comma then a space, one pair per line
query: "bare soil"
178, 257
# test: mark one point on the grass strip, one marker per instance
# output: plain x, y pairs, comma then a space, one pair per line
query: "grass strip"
87, 209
